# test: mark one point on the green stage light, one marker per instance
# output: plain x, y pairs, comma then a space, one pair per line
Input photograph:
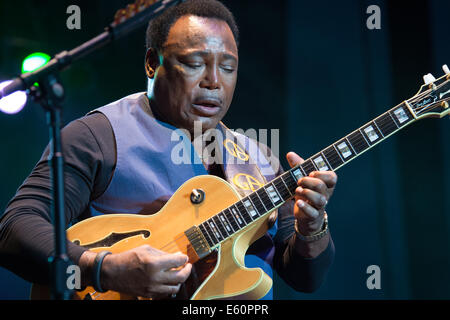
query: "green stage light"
34, 61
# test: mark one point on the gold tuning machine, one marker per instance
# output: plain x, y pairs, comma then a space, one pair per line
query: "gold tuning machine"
444, 104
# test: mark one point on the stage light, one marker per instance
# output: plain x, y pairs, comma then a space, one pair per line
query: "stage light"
34, 61
14, 102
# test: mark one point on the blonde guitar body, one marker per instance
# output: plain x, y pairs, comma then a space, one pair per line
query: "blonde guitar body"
223, 273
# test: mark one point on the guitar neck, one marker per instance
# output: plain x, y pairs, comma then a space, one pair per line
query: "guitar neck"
359, 141
275, 193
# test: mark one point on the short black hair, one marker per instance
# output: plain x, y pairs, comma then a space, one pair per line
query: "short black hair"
158, 28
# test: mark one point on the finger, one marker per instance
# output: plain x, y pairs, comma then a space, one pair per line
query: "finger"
314, 198
294, 159
329, 177
310, 212
169, 261
174, 277
313, 184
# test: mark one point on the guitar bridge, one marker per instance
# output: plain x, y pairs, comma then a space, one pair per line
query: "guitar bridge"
198, 241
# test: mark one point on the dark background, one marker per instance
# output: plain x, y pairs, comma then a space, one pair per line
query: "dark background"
314, 71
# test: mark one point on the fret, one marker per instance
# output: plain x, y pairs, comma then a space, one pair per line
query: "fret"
241, 208
334, 146
233, 222
347, 141
207, 235
215, 229
221, 227
326, 160
386, 124
346, 150
333, 157
371, 133
250, 208
281, 188
358, 141
291, 182
237, 216
273, 194
364, 137
401, 115
265, 199
378, 128
390, 115
287, 187
297, 174
308, 167
258, 203
321, 163
226, 223
303, 171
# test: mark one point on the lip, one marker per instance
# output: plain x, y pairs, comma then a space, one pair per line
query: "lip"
207, 107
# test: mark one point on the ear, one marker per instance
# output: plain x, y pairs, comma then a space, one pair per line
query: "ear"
151, 62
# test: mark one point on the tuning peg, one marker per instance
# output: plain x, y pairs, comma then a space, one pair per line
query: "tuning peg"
428, 78
446, 69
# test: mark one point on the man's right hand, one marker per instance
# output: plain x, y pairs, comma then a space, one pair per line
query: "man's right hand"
144, 272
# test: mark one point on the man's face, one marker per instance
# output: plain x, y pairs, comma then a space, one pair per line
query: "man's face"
196, 73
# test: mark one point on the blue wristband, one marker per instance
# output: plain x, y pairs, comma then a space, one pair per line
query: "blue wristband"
96, 270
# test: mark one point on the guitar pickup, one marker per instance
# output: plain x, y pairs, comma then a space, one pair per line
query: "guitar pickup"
198, 242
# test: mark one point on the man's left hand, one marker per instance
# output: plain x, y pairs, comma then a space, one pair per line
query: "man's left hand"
311, 196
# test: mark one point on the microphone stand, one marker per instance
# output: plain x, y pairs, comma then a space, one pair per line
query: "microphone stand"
50, 94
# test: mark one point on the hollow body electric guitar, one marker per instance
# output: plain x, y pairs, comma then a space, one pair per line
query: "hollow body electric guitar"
207, 219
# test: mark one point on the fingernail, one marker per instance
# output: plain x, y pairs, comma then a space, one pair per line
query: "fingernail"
300, 189
300, 203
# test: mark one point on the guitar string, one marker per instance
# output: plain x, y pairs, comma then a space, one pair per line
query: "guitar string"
421, 108
429, 106
421, 95
172, 244
439, 86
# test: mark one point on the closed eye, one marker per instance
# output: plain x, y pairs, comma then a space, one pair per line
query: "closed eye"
228, 69
193, 65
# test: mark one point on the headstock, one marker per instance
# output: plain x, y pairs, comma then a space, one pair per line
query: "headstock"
433, 98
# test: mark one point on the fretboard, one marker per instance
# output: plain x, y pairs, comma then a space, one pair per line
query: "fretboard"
269, 197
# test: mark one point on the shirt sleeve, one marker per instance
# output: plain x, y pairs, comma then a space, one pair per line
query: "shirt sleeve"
26, 232
301, 273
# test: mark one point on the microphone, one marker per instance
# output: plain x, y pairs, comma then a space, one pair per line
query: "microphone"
14, 85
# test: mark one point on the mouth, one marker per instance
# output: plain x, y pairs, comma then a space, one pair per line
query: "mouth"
207, 107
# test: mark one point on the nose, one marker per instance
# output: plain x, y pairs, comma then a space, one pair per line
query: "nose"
211, 78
